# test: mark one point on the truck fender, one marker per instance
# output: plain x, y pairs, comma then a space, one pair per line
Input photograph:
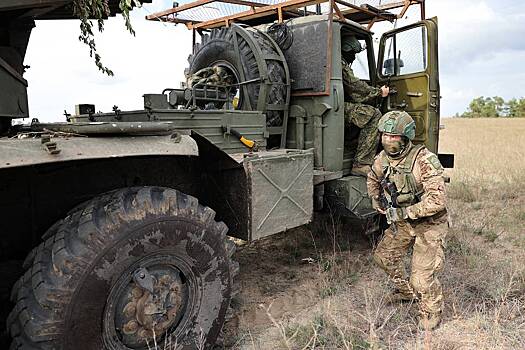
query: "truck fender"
33, 151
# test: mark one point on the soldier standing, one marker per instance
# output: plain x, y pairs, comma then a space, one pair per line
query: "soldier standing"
359, 97
417, 214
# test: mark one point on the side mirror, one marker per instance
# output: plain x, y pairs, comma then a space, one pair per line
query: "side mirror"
388, 66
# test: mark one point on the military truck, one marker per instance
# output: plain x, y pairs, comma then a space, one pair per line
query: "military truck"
124, 218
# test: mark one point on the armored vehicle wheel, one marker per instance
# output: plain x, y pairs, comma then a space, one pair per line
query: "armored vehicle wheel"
251, 56
124, 270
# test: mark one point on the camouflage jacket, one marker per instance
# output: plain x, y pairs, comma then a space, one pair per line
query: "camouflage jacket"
356, 90
428, 174
208, 75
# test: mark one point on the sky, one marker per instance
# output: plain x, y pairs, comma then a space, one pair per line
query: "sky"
481, 49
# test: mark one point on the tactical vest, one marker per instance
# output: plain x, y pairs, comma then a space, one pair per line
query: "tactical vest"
402, 176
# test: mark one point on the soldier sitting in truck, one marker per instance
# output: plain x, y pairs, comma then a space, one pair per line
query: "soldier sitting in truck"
359, 111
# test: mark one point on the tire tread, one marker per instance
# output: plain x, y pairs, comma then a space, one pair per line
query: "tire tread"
56, 266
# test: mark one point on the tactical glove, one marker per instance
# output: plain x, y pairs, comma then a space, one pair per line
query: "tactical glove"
376, 203
396, 214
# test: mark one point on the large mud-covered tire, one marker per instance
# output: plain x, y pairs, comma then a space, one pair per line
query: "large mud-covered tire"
218, 48
64, 299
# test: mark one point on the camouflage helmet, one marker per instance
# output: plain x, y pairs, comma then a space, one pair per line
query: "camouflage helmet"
350, 43
398, 123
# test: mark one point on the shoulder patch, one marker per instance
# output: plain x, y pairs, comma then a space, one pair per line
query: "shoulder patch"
434, 161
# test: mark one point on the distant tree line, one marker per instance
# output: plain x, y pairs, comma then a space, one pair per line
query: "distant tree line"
494, 107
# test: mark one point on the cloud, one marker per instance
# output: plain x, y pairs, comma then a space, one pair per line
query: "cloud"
62, 74
481, 50
477, 31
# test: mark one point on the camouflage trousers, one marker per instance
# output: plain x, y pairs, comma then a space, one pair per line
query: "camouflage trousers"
366, 118
427, 238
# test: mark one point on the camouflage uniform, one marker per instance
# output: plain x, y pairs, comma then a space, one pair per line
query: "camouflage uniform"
358, 111
210, 75
418, 177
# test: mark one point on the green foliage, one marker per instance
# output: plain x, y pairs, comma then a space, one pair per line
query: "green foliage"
485, 107
86, 10
494, 107
516, 108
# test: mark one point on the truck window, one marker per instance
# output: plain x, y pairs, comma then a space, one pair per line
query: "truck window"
406, 52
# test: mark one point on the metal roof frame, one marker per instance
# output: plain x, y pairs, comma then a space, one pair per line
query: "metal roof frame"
256, 12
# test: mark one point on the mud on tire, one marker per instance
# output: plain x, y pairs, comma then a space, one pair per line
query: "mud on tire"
218, 47
81, 277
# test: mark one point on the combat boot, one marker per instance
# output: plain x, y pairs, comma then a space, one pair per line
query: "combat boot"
400, 297
360, 169
428, 321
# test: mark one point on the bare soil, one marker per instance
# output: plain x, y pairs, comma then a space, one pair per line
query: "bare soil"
288, 276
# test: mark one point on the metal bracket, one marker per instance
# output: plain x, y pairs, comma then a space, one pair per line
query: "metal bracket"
144, 279
244, 91
49, 146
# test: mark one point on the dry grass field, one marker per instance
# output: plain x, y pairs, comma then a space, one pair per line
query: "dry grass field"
488, 183
488, 151
317, 288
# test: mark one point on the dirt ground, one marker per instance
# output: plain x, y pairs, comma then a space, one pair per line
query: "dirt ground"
315, 287
290, 276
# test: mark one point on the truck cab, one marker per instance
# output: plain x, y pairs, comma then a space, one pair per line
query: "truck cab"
316, 118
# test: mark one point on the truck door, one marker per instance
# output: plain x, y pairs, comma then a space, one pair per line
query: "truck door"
408, 57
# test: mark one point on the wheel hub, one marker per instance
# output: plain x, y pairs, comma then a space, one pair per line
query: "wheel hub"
149, 306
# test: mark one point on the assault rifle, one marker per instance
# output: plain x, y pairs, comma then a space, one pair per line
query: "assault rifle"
390, 188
